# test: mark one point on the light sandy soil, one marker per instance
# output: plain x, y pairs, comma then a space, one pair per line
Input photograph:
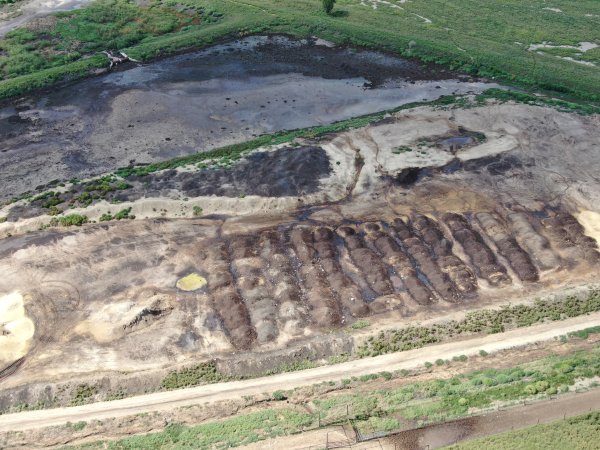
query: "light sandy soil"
16, 329
393, 235
223, 391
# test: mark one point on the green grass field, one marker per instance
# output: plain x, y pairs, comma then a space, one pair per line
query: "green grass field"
490, 39
577, 433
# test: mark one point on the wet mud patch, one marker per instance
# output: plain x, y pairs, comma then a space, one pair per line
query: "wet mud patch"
194, 102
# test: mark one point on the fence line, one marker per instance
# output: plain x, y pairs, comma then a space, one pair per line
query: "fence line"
372, 440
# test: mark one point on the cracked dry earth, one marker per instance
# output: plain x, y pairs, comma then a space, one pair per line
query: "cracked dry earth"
428, 212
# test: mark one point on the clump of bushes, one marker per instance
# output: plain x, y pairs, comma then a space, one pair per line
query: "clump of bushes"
359, 324
203, 373
480, 322
70, 220
82, 394
123, 214
279, 396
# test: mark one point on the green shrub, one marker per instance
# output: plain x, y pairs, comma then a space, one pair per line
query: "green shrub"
82, 394
78, 426
279, 396
202, 373
483, 321
106, 217
69, 220
124, 214
359, 324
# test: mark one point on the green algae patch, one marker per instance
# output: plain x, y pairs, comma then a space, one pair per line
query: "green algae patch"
191, 282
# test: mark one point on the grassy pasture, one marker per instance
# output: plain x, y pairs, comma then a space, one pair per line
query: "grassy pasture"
485, 38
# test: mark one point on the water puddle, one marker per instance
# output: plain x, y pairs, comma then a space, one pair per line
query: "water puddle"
198, 101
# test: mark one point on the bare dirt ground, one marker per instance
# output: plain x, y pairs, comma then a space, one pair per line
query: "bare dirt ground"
431, 212
200, 413
20, 13
238, 389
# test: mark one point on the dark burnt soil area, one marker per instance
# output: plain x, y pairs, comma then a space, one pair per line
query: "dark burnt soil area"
284, 172
495, 165
337, 62
280, 173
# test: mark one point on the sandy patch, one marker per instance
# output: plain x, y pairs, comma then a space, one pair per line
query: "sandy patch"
16, 329
376, 3
424, 19
106, 323
582, 46
591, 222
494, 145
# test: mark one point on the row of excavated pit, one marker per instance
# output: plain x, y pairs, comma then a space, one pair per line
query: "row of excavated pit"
290, 279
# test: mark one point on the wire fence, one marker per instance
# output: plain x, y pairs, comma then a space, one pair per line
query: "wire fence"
355, 433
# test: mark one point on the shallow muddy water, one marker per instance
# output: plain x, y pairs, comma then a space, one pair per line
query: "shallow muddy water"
202, 100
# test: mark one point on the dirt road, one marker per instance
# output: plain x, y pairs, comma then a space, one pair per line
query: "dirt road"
222, 391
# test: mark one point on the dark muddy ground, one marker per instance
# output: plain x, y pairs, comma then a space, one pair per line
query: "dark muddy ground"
198, 101
284, 172
448, 433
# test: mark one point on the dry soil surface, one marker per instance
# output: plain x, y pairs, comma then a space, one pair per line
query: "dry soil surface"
222, 391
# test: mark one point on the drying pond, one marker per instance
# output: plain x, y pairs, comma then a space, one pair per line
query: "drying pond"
194, 102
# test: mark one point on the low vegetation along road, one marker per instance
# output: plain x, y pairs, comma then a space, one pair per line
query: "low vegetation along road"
224, 391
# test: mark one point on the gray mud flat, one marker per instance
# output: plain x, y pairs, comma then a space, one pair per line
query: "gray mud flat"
18, 15
198, 101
